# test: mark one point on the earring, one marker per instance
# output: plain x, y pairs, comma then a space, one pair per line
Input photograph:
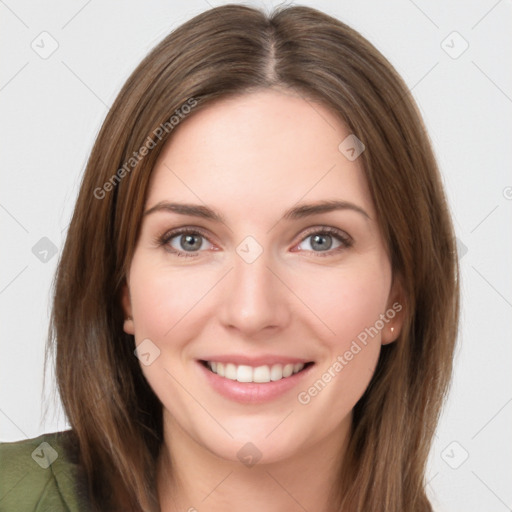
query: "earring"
392, 330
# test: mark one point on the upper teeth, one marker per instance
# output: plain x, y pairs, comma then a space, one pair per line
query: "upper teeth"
244, 373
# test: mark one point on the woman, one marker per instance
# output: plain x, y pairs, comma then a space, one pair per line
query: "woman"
257, 302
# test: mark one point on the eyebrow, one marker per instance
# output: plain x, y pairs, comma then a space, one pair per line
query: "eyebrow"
297, 212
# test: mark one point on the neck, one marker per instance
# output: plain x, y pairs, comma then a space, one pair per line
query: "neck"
191, 478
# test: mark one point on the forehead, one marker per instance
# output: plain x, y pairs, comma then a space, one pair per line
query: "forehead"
262, 151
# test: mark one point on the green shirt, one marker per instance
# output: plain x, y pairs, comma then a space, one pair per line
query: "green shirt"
42, 474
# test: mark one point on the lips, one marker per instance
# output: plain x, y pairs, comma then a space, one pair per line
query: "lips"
249, 380
260, 374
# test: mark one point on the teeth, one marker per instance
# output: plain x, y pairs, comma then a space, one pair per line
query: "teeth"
230, 371
262, 374
288, 370
244, 374
276, 372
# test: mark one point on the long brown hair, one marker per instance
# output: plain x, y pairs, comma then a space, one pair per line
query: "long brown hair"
115, 416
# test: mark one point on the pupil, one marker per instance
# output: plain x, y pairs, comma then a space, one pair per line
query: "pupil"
322, 246
189, 241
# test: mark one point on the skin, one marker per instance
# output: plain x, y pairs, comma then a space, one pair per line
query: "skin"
250, 158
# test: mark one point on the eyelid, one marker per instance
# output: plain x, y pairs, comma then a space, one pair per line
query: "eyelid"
345, 239
167, 236
343, 235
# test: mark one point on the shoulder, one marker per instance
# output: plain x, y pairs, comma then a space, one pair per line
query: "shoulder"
41, 474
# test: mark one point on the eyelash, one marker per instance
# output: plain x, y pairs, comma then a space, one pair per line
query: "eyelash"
346, 240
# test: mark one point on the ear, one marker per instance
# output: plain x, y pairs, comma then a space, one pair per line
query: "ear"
395, 312
128, 326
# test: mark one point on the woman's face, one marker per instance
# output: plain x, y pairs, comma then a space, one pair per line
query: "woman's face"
266, 290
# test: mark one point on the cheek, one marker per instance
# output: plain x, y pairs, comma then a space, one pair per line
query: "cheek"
163, 304
348, 301
161, 299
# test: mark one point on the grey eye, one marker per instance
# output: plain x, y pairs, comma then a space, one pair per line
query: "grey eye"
320, 242
189, 242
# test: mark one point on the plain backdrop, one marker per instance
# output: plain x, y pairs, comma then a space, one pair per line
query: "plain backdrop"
62, 64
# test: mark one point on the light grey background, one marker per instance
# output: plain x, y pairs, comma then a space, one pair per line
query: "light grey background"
52, 108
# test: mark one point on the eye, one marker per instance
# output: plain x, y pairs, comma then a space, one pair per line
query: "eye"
189, 242
321, 241
185, 242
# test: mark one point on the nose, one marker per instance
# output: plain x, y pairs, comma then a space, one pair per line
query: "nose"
254, 297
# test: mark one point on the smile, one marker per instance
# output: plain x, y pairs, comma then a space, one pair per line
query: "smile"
253, 380
259, 374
